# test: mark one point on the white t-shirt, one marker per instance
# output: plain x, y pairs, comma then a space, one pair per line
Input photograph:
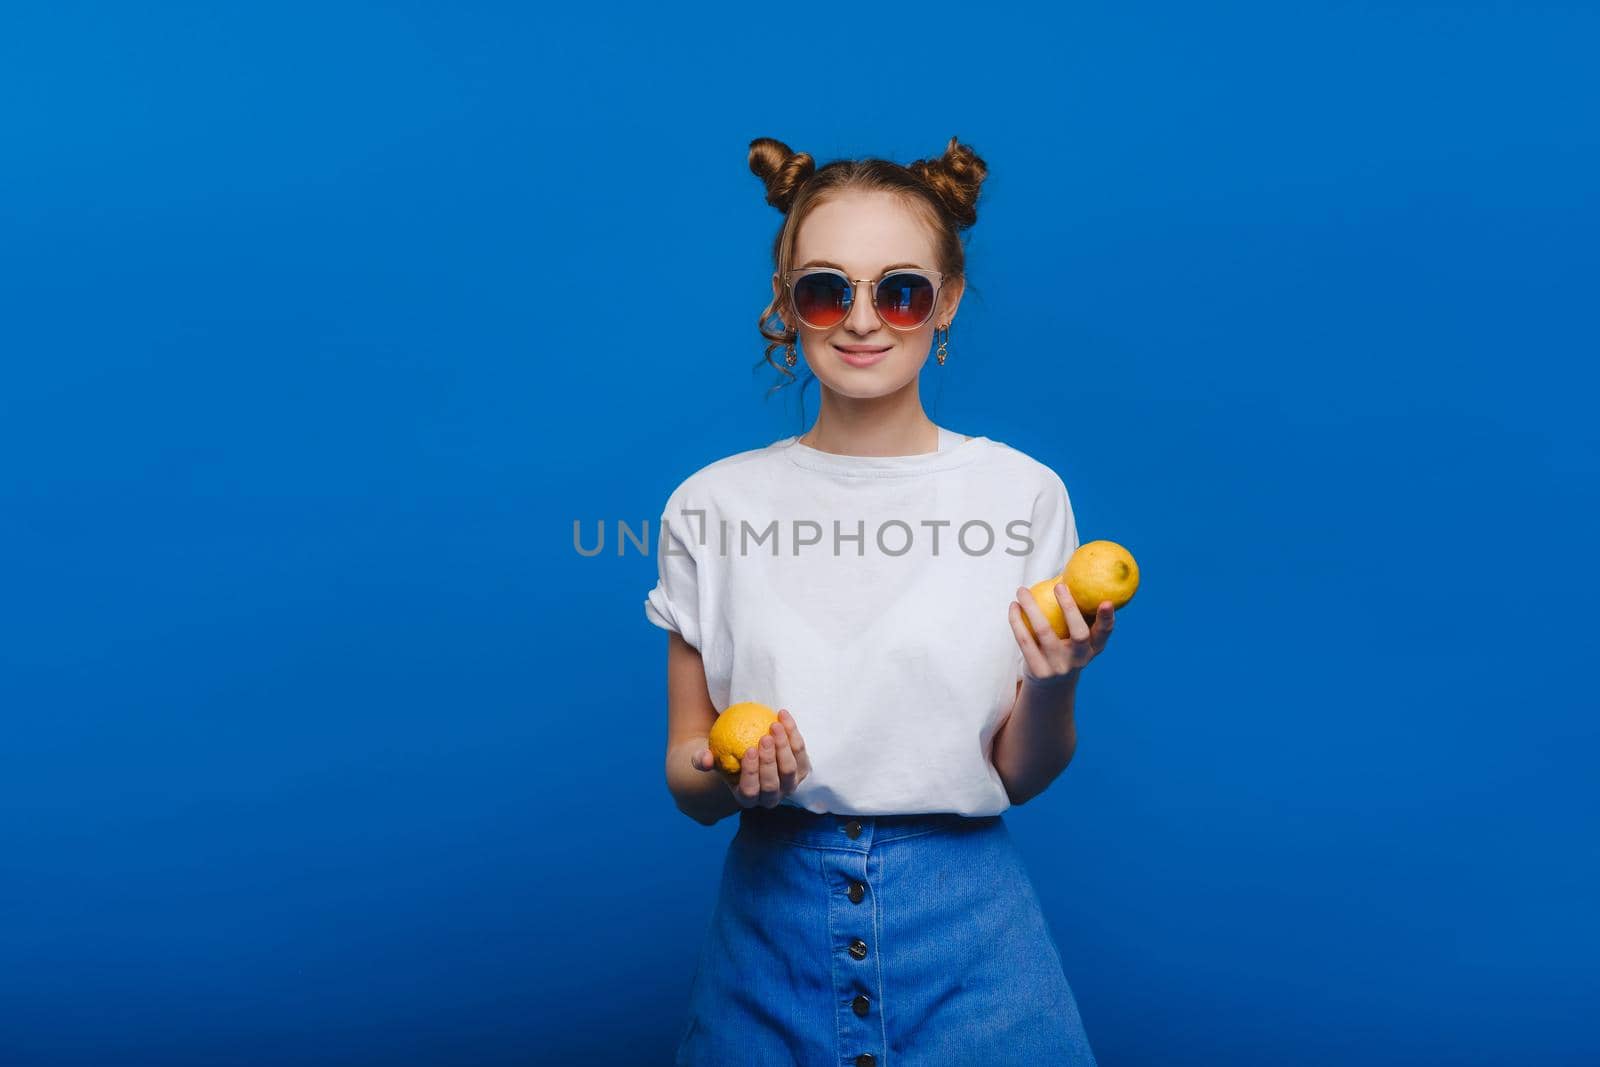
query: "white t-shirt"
868, 596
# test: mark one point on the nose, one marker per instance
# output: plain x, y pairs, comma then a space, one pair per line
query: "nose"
863, 317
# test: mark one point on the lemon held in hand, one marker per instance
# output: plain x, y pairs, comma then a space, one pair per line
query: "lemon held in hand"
1101, 570
739, 727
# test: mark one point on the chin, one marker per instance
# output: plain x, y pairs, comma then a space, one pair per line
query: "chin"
865, 383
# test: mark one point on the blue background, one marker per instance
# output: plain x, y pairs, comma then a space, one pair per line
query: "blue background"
323, 323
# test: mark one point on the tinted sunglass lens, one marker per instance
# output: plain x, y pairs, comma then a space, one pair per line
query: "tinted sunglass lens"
905, 300
821, 300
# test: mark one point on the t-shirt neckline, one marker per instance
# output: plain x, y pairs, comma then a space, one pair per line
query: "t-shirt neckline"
953, 452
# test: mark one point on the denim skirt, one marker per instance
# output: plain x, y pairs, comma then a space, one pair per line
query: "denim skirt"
878, 941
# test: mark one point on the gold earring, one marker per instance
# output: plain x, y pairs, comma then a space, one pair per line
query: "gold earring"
789, 356
944, 344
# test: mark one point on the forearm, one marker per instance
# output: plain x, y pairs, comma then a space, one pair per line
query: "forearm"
701, 795
1037, 741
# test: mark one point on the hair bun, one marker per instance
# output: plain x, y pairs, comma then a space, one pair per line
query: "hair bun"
782, 169
955, 178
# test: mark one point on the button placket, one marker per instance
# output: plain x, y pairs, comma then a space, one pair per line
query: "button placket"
854, 985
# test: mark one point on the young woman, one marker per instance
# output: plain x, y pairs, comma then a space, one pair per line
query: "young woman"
873, 908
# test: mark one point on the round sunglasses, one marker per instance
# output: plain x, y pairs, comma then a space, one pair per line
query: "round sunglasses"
904, 298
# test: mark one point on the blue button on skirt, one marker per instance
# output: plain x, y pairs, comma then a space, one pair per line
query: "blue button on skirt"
915, 940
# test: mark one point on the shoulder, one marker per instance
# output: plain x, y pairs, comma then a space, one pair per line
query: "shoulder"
1028, 474
722, 477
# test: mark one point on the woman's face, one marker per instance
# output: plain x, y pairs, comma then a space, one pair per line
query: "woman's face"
862, 234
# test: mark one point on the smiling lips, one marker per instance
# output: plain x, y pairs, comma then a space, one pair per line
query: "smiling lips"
861, 355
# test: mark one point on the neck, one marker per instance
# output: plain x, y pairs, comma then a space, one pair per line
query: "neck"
893, 425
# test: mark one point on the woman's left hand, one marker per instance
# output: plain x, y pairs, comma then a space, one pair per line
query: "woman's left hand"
1050, 658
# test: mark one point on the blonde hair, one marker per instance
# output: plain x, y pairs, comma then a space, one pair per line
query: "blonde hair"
943, 190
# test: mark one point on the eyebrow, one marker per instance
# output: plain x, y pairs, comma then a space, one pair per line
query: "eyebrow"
885, 270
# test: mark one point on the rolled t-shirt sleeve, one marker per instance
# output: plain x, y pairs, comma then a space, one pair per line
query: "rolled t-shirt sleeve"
674, 603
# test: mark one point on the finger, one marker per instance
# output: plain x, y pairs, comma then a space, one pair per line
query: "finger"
1073, 613
749, 777
700, 760
787, 767
1025, 638
1043, 632
1077, 628
797, 743
769, 772
1038, 666
1104, 620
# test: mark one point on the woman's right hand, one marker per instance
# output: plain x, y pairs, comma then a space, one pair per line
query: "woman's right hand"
769, 771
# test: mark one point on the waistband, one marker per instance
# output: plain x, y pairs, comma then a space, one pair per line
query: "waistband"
857, 832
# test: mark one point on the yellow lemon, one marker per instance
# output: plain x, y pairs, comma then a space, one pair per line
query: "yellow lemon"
1044, 595
739, 727
1101, 570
